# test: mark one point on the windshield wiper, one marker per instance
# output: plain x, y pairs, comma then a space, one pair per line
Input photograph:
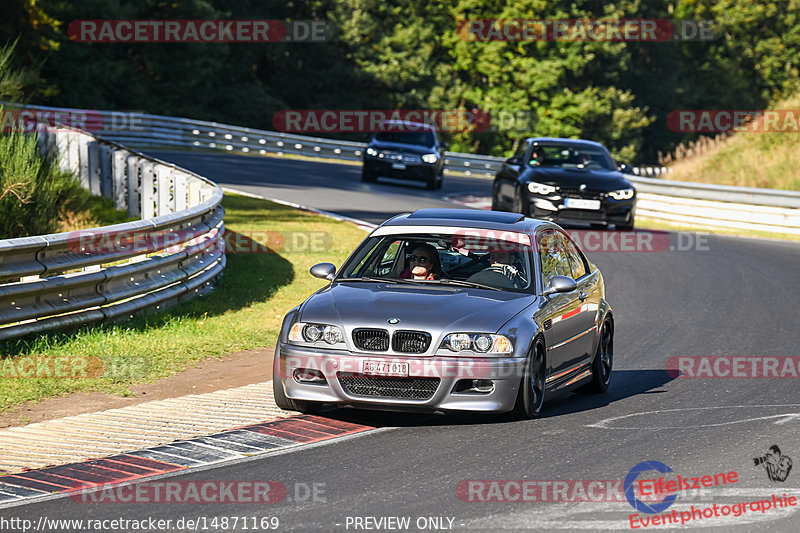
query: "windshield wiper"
460, 283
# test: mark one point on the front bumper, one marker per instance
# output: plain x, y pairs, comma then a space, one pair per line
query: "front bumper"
415, 171
611, 211
338, 365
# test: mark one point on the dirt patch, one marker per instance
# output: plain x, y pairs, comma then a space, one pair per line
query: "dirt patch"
235, 370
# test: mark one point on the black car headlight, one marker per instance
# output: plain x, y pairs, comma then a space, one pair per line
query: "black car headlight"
372, 152
309, 332
430, 158
622, 194
477, 342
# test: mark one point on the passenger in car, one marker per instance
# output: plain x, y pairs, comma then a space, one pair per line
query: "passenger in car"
422, 263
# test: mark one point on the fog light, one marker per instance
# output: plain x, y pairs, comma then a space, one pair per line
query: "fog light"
474, 386
308, 375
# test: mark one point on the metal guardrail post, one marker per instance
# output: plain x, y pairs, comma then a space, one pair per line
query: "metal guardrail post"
164, 202
133, 188
51, 282
119, 178
147, 189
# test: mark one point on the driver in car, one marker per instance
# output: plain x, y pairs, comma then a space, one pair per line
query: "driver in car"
501, 271
503, 261
423, 263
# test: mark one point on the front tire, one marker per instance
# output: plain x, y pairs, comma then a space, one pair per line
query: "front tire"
496, 200
603, 360
518, 207
530, 398
368, 177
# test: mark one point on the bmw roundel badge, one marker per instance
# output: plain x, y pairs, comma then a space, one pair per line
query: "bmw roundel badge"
393, 321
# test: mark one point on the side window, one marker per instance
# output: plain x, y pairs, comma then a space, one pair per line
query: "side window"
389, 259
522, 149
554, 259
576, 261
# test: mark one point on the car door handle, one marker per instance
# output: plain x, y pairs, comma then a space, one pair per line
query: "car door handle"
582, 296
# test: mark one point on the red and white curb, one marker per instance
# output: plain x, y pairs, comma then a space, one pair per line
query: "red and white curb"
470, 200
181, 455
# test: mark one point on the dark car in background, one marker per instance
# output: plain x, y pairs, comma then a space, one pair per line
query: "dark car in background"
567, 181
405, 150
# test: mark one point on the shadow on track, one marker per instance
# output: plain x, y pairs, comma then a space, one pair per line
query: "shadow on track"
624, 384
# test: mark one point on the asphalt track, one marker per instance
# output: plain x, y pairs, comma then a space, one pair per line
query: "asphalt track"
725, 297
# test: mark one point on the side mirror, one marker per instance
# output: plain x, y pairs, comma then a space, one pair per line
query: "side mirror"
624, 167
560, 284
444, 146
323, 271
514, 161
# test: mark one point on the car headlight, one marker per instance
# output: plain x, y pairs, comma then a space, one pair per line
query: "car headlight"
305, 332
372, 151
478, 342
622, 194
430, 158
541, 188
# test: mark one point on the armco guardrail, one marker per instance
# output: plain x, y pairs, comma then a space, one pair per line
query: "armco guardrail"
175, 251
688, 203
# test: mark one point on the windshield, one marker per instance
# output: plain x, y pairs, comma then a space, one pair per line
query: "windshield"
570, 156
473, 257
424, 138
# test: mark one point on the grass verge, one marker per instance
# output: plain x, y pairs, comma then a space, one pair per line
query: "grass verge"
243, 312
746, 158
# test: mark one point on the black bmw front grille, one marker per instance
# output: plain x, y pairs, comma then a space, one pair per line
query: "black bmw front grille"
386, 387
571, 192
410, 341
375, 340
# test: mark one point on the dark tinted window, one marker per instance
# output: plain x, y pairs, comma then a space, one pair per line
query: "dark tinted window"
424, 138
566, 156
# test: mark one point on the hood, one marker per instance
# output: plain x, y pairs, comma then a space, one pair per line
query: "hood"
434, 309
400, 147
595, 180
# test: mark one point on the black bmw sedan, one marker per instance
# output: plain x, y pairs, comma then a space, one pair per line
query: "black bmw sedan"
405, 150
565, 180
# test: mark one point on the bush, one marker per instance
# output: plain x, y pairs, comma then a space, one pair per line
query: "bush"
33, 191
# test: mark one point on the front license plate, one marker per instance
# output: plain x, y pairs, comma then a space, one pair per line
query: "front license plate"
578, 203
379, 367
399, 166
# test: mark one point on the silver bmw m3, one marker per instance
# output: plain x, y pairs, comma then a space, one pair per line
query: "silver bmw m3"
449, 310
